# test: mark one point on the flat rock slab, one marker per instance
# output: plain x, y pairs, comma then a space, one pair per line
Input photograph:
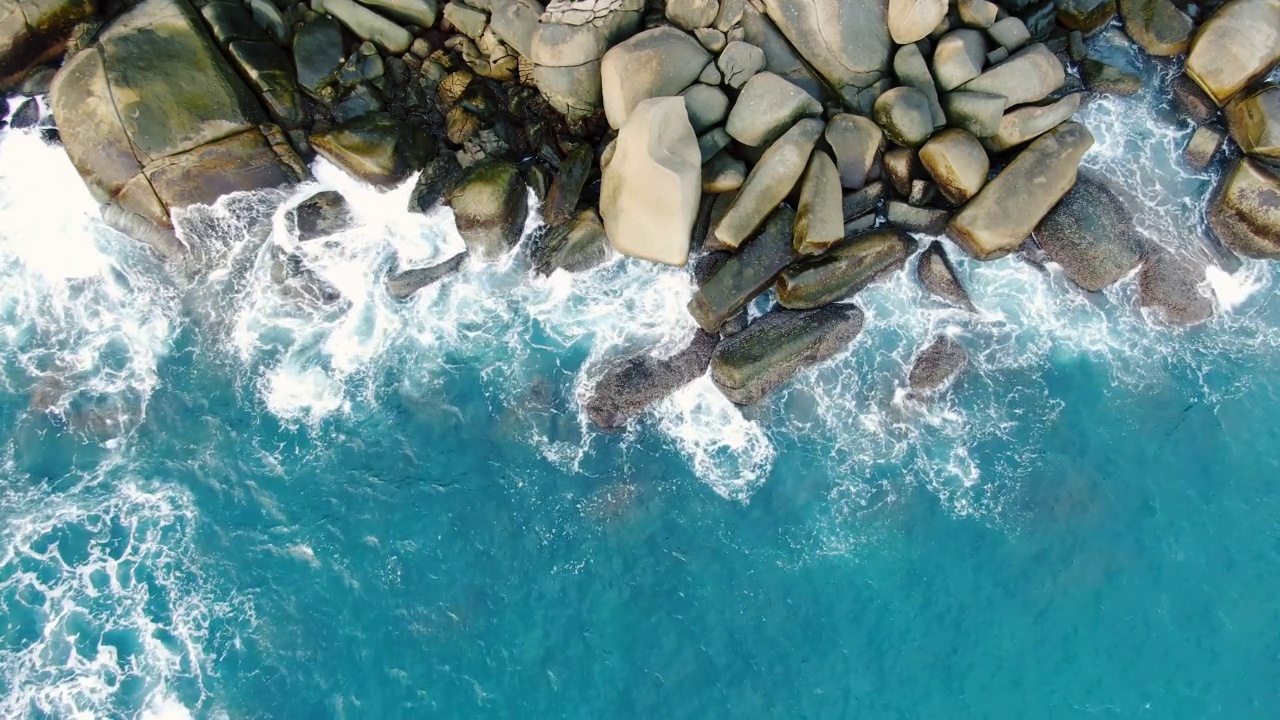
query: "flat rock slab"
751, 364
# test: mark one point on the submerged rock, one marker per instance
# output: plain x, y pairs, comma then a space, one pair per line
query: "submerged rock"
751, 364
490, 206
325, 213
1091, 235
1170, 287
938, 276
435, 183
845, 270
403, 284
937, 366
633, 385
1245, 210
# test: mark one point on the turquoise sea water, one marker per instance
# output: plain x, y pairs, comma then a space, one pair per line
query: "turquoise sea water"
219, 501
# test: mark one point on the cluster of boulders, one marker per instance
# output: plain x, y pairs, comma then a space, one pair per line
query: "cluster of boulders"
785, 146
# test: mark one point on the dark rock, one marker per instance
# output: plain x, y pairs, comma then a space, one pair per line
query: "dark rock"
367, 147
230, 21
844, 270
36, 31
436, 183
901, 167
325, 213
747, 274
749, 365
1203, 146
38, 81
403, 284
490, 206
317, 54
927, 221
1108, 79
26, 116
633, 385
938, 276
859, 203
1169, 286
1087, 16
1091, 235
574, 245
1191, 101
269, 72
937, 366
566, 187
359, 101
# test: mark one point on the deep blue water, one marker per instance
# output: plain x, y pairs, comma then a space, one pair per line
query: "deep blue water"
221, 502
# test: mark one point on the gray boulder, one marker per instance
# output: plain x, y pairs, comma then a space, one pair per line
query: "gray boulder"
856, 141
403, 284
767, 107
706, 105
1236, 46
959, 58
1245, 210
911, 69
1007, 209
490, 206
779, 56
630, 387
514, 22
367, 24
769, 183
723, 173
845, 270
937, 366
575, 245
655, 63
936, 273
1157, 26
1010, 33
864, 201
912, 20
1170, 287
746, 274
846, 41
978, 14
1091, 235
422, 13
739, 62
819, 217
751, 364
692, 14
976, 113
1025, 123
903, 113
1027, 76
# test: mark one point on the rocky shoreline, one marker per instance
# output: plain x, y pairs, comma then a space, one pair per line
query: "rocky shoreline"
792, 146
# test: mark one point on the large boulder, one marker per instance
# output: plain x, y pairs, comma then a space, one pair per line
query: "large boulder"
845, 270
1028, 122
779, 57
1169, 286
1245, 211
767, 107
819, 216
912, 20
368, 147
958, 164
936, 273
959, 58
35, 31
154, 118
937, 366
514, 22
856, 141
1253, 119
413, 12
367, 24
905, 116
1237, 45
575, 245
751, 364
1008, 208
567, 46
1027, 76
656, 63
769, 183
1091, 235
490, 206
1087, 16
846, 41
746, 273
650, 189
1157, 26
321, 215
631, 386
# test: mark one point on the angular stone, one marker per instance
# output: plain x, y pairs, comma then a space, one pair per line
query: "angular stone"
656, 63
435, 183
712, 142
937, 366
1245, 210
747, 274
767, 107
269, 18
269, 72
403, 284
1170, 287
769, 183
1087, 16
1091, 235
367, 24
856, 141
1157, 26
924, 220
978, 14
723, 173
490, 206
575, 245
468, 20
230, 22
904, 115
900, 167
1109, 79
566, 188
514, 23
911, 69
936, 273
415, 12
1192, 102
1007, 209
977, 113
753, 363
739, 62
630, 387
366, 148
1203, 147
819, 218
912, 20
1253, 119
650, 190
1236, 46
863, 202
1031, 121
846, 41
847, 269
323, 214
706, 105
957, 163
1027, 76
959, 58
1010, 33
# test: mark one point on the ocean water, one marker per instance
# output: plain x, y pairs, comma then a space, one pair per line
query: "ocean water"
220, 500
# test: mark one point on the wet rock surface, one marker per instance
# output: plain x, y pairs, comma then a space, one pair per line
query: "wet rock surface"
1091, 235
937, 366
632, 386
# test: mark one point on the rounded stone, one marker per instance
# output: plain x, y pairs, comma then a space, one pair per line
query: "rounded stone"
958, 164
904, 115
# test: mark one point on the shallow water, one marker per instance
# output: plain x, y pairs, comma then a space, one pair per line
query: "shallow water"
222, 501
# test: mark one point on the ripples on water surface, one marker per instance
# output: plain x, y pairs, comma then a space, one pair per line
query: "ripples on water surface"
222, 501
